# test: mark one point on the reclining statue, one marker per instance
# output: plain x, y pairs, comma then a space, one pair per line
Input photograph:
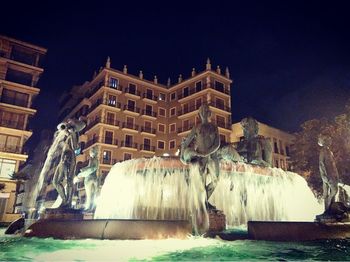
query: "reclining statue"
255, 150
89, 174
65, 170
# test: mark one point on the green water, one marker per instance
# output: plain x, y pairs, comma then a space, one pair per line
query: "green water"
14, 248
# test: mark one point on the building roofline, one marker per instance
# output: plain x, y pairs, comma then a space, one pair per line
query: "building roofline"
274, 128
26, 44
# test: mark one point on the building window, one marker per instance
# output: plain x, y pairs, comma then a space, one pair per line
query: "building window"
7, 168
222, 138
186, 124
172, 96
127, 156
149, 93
132, 89
275, 146
219, 103
172, 128
219, 86
160, 144
276, 163
109, 137
186, 91
287, 151
107, 157
112, 100
147, 144
198, 86
110, 118
148, 124
161, 112
198, 103
162, 97
172, 144
281, 148
149, 110
14, 98
220, 121
185, 108
172, 111
113, 82
10, 144
129, 140
161, 128
131, 105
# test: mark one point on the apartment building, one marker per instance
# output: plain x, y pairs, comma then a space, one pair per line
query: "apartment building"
131, 117
20, 70
281, 142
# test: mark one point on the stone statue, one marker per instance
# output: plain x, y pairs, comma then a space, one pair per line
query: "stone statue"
328, 171
67, 163
199, 147
254, 149
89, 173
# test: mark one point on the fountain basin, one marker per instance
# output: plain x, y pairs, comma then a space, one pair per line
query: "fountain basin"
110, 229
297, 231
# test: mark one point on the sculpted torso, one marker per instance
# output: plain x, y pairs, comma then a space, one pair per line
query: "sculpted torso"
206, 137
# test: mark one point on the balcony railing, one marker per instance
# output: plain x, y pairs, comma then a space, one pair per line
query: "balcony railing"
130, 126
92, 141
132, 109
12, 149
132, 91
188, 109
12, 124
223, 125
146, 147
185, 128
149, 113
194, 90
128, 144
116, 87
109, 161
148, 130
150, 97
93, 123
110, 141
14, 101
221, 106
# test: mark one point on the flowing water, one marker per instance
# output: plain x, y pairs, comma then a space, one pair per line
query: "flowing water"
154, 189
13, 248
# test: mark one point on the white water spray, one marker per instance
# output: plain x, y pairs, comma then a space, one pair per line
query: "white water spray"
164, 189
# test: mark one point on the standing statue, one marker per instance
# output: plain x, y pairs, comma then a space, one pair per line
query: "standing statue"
67, 164
89, 173
200, 146
255, 149
328, 171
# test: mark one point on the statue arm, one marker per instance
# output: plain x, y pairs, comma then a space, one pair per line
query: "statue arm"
189, 138
85, 171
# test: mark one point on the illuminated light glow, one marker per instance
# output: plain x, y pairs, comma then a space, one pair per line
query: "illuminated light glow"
149, 189
177, 153
166, 154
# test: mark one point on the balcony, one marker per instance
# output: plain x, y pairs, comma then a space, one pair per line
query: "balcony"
148, 130
12, 124
12, 149
108, 103
92, 142
131, 126
223, 89
190, 92
149, 113
92, 123
115, 87
224, 125
107, 161
94, 89
111, 122
132, 91
110, 141
14, 101
221, 106
188, 109
128, 144
132, 109
185, 128
148, 148
150, 97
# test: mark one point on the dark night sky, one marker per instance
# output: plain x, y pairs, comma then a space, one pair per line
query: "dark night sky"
290, 60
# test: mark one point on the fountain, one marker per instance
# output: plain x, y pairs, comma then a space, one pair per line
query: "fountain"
166, 197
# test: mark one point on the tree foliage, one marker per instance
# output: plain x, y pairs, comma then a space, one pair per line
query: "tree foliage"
305, 151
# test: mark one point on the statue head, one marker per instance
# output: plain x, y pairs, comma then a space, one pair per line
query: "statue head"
204, 112
93, 152
324, 140
250, 127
